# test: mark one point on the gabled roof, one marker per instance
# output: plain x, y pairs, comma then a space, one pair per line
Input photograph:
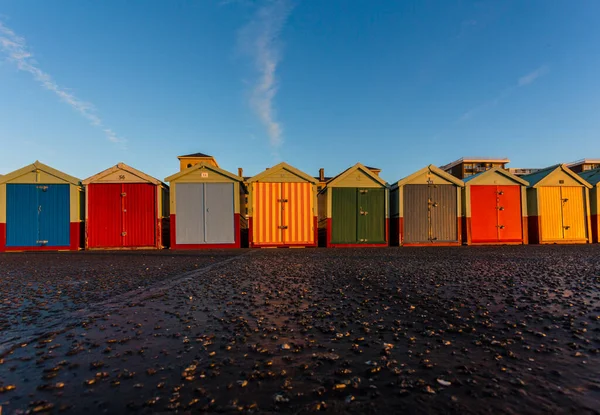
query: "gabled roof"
124, 167
282, 166
194, 155
498, 170
358, 166
433, 169
199, 166
40, 166
536, 178
591, 176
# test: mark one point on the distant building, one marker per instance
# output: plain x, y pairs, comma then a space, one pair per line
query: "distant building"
584, 165
517, 171
469, 166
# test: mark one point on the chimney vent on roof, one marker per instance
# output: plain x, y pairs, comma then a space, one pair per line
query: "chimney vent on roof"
240, 172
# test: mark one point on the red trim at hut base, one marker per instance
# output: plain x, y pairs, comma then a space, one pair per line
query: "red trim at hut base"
236, 231
74, 240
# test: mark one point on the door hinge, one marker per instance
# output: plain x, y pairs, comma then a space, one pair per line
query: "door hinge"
42, 242
364, 213
500, 208
283, 227
42, 188
500, 226
363, 191
123, 233
282, 200
123, 194
567, 227
500, 193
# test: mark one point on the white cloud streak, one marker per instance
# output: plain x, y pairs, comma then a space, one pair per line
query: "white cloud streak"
15, 47
523, 81
260, 40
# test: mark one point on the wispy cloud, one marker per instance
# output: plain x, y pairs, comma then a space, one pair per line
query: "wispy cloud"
523, 81
15, 47
260, 40
532, 76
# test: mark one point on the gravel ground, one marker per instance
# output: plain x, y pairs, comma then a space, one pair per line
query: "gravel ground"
423, 330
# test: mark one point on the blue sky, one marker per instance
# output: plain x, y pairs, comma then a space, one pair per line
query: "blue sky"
86, 84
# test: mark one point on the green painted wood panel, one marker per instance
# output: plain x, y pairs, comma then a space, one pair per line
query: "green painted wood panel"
343, 215
371, 215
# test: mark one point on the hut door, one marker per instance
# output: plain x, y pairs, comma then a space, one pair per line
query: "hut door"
54, 214
484, 213
416, 213
267, 214
344, 214
218, 217
371, 214
551, 212
189, 218
510, 225
297, 213
574, 224
442, 213
139, 214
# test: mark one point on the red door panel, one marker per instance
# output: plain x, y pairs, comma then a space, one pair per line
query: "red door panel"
509, 214
484, 214
139, 215
104, 224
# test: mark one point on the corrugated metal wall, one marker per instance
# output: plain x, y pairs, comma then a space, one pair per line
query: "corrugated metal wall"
343, 215
139, 218
443, 212
416, 222
189, 226
38, 215
574, 216
105, 223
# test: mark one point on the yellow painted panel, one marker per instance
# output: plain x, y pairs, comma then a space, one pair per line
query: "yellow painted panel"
358, 179
38, 177
120, 176
204, 176
266, 213
554, 179
574, 215
551, 213
423, 178
2, 203
492, 178
297, 211
76, 213
281, 176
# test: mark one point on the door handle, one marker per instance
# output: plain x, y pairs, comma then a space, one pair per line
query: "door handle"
40, 209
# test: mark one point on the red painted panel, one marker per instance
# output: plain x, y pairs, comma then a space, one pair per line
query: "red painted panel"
104, 225
139, 215
2, 237
484, 214
510, 214
236, 244
75, 235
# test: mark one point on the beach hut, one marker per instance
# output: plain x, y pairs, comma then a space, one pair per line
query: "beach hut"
40, 209
558, 206
283, 203
593, 178
494, 206
353, 209
125, 209
206, 208
425, 209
